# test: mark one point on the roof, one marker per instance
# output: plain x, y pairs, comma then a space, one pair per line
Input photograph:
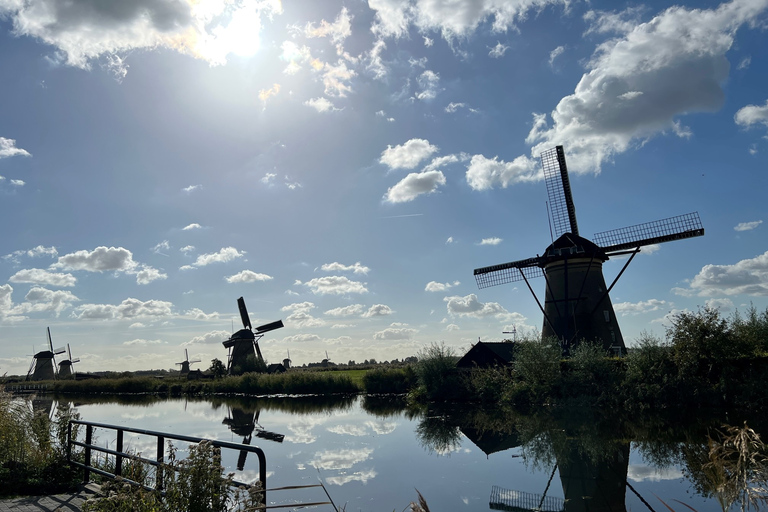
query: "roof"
484, 354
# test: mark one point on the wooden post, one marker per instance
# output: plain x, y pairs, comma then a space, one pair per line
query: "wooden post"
119, 458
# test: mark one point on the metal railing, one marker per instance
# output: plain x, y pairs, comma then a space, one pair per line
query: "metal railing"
158, 462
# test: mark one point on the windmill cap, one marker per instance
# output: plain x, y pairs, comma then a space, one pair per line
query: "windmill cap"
573, 245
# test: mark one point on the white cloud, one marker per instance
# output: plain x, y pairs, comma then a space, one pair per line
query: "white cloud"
300, 338
752, 114
434, 286
396, 331
745, 62
722, 305
43, 277
208, 338
498, 51
377, 310
336, 78
747, 226
414, 185
641, 473
408, 155
224, 255
268, 178
143, 342
162, 246
192, 226
376, 64
299, 306
8, 146
82, 32
357, 268
32, 253
747, 277
295, 55
148, 274
192, 188
127, 309
17, 183
449, 240
301, 319
637, 308
452, 327
199, 314
354, 309
335, 285
428, 42
187, 249
470, 306
428, 81
247, 276
337, 31
485, 173
320, 104
99, 260
491, 241
677, 60
42, 300
555, 54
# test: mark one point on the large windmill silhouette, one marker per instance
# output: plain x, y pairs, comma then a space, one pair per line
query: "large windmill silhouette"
43, 365
244, 342
576, 305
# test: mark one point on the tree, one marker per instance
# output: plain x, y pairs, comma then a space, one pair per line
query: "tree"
217, 368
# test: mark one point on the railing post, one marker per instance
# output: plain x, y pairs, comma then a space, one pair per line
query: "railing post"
160, 459
88, 439
119, 458
69, 441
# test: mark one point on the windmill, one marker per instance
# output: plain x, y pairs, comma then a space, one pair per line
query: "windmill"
66, 367
576, 304
287, 361
327, 360
185, 363
242, 344
43, 365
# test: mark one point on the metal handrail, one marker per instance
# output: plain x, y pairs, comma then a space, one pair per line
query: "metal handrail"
158, 462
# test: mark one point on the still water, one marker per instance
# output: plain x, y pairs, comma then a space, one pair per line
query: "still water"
373, 454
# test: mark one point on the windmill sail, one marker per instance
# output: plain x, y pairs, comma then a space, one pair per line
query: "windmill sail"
561, 206
656, 232
507, 272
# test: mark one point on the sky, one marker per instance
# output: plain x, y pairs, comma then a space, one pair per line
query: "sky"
344, 166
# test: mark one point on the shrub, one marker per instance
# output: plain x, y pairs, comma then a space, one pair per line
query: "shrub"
389, 380
436, 373
537, 365
651, 377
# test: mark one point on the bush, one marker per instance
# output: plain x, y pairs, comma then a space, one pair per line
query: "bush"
651, 377
436, 373
537, 365
389, 380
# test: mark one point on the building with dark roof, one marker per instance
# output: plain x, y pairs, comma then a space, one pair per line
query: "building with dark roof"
486, 355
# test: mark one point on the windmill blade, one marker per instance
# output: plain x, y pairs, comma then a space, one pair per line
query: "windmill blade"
656, 232
561, 205
269, 327
69, 352
50, 343
73, 361
194, 361
186, 355
507, 272
244, 313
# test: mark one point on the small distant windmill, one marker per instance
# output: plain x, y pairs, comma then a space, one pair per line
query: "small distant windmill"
577, 305
327, 360
66, 367
186, 362
287, 361
43, 365
244, 342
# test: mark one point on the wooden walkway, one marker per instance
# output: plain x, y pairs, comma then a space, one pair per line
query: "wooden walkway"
58, 502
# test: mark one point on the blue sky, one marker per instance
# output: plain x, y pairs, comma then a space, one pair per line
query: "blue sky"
344, 166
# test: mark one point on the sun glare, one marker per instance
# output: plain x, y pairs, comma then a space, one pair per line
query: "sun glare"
238, 35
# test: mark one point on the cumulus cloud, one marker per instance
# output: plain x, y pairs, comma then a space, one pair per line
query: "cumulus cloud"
414, 185
335, 285
747, 277
434, 286
143, 342
320, 104
337, 31
376, 64
8, 146
162, 248
452, 20
192, 188
247, 276
429, 82
300, 316
470, 306
41, 300
32, 253
208, 338
498, 51
485, 173
723, 305
224, 255
636, 308
301, 338
82, 32
555, 54
395, 331
752, 114
199, 314
491, 241
43, 277
148, 274
408, 155
192, 226
127, 309
354, 309
357, 268
677, 61
747, 226
105, 259
377, 310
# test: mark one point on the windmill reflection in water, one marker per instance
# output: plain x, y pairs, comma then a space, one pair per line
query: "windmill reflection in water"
244, 421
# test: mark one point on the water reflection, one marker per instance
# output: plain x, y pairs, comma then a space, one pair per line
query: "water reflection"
243, 422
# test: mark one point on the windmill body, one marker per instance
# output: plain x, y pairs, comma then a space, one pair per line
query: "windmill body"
577, 305
66, 367
43, 365
244, 344
185, 363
